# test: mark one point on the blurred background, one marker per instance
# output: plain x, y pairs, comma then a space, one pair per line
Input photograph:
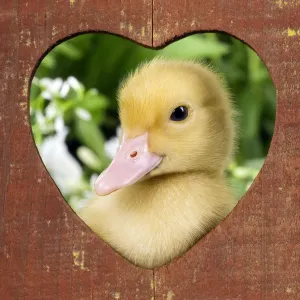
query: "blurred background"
73, 106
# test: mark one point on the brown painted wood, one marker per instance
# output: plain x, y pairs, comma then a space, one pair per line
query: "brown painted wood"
255, 252
46, 251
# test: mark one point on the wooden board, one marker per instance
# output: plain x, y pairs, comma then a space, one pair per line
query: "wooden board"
255, 252
46, 252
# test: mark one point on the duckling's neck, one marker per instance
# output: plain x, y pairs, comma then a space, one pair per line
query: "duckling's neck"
157, 219
166, 181
167, 189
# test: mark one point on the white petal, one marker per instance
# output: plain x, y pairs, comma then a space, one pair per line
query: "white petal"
111, 147
64, 90
51, 110
46, 82
56, 86
119, 131
47, 95
40, 118
60, 128
74, 83
63, 167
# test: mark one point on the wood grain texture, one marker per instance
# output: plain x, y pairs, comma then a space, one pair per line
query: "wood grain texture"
255, 252
46, 251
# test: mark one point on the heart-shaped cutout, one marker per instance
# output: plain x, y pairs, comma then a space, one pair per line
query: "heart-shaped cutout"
176, 142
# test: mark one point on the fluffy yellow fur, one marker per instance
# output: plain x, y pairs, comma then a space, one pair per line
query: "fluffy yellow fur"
160, 217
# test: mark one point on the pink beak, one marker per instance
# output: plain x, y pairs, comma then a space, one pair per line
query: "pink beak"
132, 162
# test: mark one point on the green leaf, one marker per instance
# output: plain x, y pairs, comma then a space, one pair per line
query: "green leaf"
195, 47
89, 135
49, 61
68, 50
95, 104
35, 90
89, 158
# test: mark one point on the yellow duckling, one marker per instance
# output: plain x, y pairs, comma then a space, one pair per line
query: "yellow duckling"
165, 188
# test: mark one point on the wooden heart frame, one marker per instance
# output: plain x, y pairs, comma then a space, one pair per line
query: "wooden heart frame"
47, 252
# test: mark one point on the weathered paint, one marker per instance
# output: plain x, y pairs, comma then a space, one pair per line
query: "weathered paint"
170, 295
79, 259
47, 252
293, 32
282, 4
253, 254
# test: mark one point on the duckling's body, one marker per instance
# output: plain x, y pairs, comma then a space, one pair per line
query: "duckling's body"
176, 191
157, 220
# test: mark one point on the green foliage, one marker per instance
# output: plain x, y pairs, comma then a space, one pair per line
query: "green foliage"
100, 61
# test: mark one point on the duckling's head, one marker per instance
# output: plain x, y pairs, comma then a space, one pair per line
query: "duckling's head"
176, 117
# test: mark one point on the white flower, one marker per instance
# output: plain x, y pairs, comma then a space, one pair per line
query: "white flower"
119, 131
64, 90
60, 128
41, 121
52, 87
58, 87
111, 146
51, 110
64, 169
74, 83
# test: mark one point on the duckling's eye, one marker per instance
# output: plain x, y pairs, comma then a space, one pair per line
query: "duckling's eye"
180, 113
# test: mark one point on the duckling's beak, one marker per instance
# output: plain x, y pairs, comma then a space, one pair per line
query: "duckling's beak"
132, 162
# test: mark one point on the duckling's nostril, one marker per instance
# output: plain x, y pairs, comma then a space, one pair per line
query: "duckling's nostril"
133, 154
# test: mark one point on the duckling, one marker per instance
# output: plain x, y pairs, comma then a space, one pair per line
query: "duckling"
166, 188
